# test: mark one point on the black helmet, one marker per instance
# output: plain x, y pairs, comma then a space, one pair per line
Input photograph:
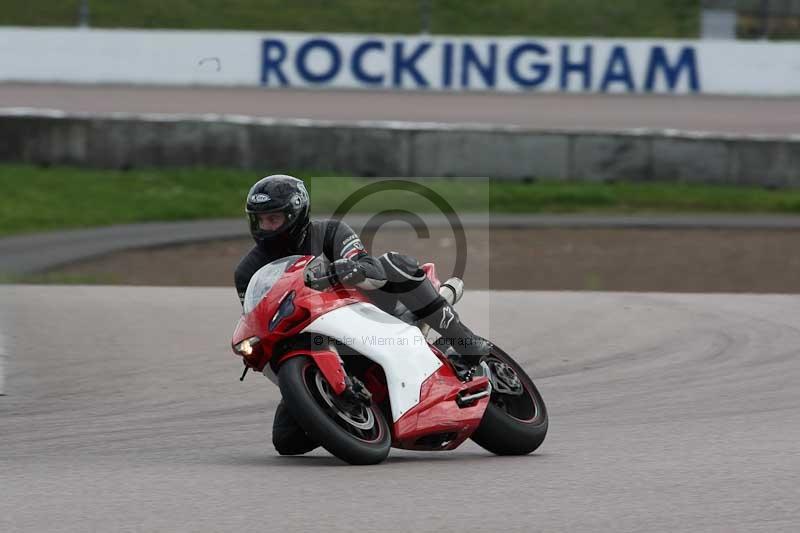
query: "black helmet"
279, 194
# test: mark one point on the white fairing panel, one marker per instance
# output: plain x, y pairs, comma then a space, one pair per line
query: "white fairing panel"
399, 348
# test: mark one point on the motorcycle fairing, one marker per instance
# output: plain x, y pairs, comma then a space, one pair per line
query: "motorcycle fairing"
399, 348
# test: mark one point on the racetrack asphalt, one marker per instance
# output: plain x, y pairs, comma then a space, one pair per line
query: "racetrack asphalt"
38, 252
738, 115
668, 413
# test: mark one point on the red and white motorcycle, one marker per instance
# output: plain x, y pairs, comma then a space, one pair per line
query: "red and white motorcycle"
359, 380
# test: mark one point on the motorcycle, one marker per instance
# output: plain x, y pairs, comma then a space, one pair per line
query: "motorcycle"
359, 380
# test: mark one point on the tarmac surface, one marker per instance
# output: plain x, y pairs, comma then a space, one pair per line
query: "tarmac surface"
743, 115
668, 413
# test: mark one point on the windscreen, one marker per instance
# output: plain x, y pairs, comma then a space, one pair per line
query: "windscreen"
263, 280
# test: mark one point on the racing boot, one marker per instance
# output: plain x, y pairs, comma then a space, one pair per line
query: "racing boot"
457, 341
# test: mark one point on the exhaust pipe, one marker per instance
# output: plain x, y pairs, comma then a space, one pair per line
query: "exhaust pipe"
452, 290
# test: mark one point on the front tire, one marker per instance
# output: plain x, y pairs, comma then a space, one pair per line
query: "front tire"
512, 425
358, 435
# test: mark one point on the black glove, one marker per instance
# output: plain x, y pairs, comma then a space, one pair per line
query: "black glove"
347, 272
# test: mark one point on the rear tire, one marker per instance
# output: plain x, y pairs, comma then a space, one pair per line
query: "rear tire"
513, 425
357, 436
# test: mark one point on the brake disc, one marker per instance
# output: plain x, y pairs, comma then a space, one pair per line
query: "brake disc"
505, 379
365, 421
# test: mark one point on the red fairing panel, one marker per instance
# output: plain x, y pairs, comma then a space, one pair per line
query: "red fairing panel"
438, 413
309, 305
329, 364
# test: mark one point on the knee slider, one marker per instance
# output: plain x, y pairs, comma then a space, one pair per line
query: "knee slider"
401, 267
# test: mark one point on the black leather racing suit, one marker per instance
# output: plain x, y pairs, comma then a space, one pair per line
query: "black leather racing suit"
390, 278
330, 237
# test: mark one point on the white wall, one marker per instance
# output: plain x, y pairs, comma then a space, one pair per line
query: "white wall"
398, 62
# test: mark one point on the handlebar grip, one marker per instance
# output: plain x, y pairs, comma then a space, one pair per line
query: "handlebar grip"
322, 282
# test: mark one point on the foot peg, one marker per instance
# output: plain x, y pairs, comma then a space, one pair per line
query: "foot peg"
467, 400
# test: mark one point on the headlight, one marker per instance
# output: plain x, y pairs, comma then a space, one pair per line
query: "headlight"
246, 346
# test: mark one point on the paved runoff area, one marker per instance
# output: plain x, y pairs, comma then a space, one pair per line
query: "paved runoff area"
123, 412
743, 115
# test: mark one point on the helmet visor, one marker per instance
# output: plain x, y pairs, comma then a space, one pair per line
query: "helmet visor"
268, 225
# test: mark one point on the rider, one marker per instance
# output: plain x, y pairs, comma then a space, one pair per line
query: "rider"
278, 208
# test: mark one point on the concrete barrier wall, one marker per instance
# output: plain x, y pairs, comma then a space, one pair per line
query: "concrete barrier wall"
396, 149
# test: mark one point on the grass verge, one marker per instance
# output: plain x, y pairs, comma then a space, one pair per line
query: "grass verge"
38, 199
620, 18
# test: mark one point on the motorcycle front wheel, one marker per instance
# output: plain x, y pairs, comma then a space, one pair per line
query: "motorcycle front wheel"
355, 433
515, 422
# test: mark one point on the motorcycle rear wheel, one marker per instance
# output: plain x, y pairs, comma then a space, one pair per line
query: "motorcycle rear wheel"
512, 425
358, 435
